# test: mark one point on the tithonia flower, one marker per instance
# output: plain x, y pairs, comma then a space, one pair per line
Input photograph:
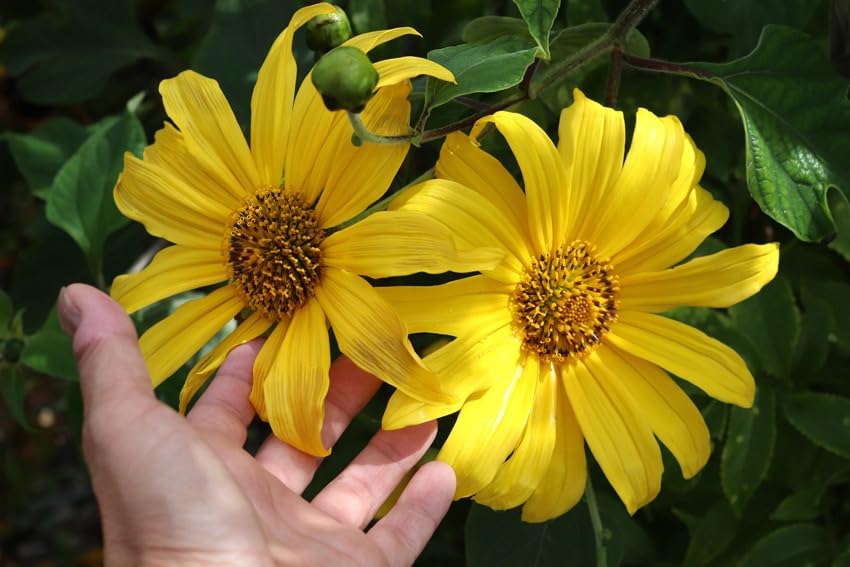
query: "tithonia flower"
562, 343
257, 220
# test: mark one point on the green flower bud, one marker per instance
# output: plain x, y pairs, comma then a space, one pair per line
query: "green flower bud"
328, 30
345, 78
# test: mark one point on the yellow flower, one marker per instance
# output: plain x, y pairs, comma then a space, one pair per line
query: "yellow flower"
257, 219
559, 344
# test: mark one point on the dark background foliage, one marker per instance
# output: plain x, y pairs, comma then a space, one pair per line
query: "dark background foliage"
78, 87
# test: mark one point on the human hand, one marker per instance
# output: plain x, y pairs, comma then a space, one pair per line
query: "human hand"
175, 491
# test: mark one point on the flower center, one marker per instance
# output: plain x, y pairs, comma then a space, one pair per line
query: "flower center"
273, 253
565, 303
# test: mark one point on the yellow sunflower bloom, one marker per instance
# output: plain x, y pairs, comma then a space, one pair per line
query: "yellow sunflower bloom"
257, 219
560, 344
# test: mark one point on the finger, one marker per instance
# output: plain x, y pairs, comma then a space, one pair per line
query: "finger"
403, 533
224, 411
350, 389
356, 494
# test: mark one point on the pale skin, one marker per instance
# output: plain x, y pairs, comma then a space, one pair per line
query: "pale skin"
183, 491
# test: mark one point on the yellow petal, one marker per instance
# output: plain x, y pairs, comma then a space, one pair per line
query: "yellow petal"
370, 333
266, 358
248, 330
271, 101
297, 382
591, 141
172, 341
392, 71
619, 438
173, 270
671, 415
148, 194
644, 184
686, 352
488, 429
473, 222
543, 174
404, 411
700, 216
719, 280
399, 243
466, 307
563, 483
199, 109
370, 40
518, 478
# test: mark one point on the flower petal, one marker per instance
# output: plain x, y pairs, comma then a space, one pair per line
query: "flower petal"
370, 40
686, 352
370, 333
297, 382
199, 109
248, 330
620, 440
396, 70
399, 243
543, 174
522, 473
173, 270
591, 141
271, 101
563, 483
719, 280
404, 411
488, 428
673, 417
172, 341
266, 358
473, 222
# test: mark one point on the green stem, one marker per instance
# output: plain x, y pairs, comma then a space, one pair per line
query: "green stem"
668, 67
365, 135
615, 71
596, 522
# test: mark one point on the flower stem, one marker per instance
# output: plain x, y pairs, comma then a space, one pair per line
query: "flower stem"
596, 522
660, 66
615, 71
363, 134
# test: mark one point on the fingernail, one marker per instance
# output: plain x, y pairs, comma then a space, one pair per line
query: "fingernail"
69, 313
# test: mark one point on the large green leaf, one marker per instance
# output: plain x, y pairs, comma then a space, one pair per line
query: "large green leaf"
771, 321
539, 15
836, 295
749, 448
823, 418
488, 28
13, 393
80, 200
818, 322
790, 546
67, 55
796, 117
49, 351
711, 535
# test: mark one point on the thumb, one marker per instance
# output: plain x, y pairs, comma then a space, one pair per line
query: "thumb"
112, 370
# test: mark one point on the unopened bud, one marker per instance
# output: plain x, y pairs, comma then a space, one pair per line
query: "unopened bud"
328, 30
345, 78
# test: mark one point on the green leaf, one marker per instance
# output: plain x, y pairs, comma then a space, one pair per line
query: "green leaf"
13, 393
50, 352
488, 28
40, 154
367, 15
818, 322
711, 535
479, 68
80, 200
835, 294
495, 539
67, 55
584, 11
743, 20
800, 506
771, 321
749, 448
790, 546
539, 15
796, 115
823, 418
840, 209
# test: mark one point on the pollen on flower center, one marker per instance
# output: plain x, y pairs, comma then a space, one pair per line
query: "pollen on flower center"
273, 252
565, 303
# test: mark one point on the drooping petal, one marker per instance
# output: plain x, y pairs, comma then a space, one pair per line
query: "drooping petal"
522, 473
297, 381
398, 243
371, 334
563, 483
172, 341
199, 109
473, 222
393, 71
591, 141
686, 352
543, 174
370, 40
404, 411
671, 415
266, 358
719, 280
644, 184
174, 269
248, 330
619, 438
488, 428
